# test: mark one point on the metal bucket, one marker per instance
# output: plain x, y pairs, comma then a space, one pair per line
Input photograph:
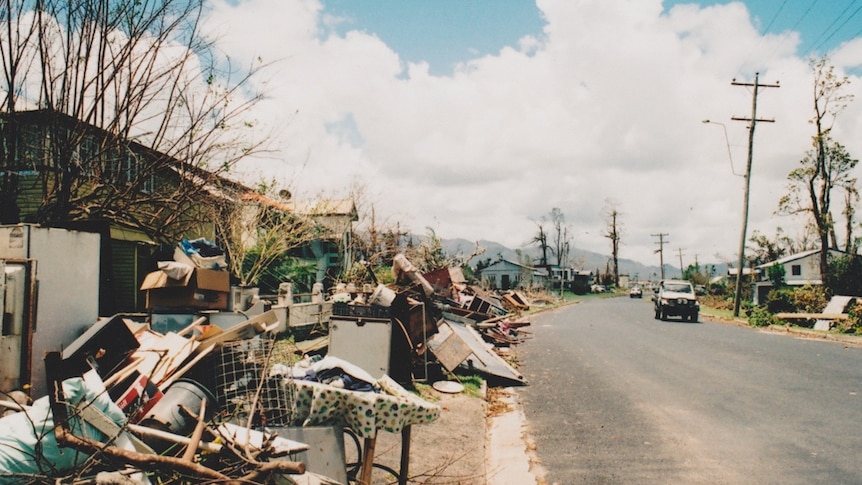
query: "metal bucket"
166, 415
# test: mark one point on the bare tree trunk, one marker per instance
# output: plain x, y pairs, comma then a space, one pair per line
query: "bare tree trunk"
149, 95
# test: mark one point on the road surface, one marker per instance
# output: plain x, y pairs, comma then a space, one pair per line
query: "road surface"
617, 397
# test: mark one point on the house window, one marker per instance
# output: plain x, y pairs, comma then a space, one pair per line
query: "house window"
796, 269
88, 154
126, 169
31, 149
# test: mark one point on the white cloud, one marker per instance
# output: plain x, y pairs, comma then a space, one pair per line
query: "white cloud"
607, 104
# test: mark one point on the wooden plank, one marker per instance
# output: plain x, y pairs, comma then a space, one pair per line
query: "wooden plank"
241, 331
812, 316
177, 349
196, 357
244, 330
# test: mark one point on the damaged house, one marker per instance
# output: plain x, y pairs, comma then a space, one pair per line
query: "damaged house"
63, 172
505, 275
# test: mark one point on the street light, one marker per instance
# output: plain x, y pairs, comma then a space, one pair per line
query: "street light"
740, 267
727, 143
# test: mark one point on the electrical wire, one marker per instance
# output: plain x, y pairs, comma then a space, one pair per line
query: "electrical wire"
837, 29
766, 29
792, 29
835, 26
775, 16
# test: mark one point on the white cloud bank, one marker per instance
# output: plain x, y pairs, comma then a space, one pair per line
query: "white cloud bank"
607, 104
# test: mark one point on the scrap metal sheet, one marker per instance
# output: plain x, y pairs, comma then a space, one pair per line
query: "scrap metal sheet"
481, 358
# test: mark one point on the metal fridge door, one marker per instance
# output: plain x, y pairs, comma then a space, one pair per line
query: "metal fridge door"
13, 291
364, 342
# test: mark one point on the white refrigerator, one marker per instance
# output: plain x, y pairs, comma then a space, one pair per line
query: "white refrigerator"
50, 296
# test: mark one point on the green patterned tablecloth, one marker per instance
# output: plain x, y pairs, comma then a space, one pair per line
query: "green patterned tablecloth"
363, 412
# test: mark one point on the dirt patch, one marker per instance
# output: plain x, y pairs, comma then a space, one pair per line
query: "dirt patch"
448, 451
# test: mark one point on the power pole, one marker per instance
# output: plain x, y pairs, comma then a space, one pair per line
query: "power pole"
681, 268
660, 250
752, 122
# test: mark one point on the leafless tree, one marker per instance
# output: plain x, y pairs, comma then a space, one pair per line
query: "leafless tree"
613, 232
826, 166
127, 91
560, 236
541, 238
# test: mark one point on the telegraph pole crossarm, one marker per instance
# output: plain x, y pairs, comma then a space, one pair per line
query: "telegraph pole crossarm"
661, 242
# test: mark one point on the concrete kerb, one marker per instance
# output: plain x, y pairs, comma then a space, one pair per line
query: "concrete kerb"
510, 454
808, 333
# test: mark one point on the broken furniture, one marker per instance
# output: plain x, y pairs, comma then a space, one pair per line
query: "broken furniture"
365, 413
837, 309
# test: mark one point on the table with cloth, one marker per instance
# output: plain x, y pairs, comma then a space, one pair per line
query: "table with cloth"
393, 409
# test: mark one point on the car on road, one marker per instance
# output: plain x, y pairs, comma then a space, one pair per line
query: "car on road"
598, 288
636, 292
676, 298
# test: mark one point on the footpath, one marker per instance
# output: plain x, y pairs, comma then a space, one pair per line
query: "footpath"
510, 459
465, 445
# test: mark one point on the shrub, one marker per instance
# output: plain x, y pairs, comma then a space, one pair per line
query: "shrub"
845, 275
780, 300
854, 323
810, 299
761, 317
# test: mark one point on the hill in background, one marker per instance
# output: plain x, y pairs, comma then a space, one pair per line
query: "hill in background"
581, 259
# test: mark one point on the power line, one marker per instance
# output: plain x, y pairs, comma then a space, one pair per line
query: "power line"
783, 37
837, 29
775, 16
832, 24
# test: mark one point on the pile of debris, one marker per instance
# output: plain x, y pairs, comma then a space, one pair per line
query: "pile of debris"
157, 401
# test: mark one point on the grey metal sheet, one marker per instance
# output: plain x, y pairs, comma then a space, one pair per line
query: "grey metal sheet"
482, 358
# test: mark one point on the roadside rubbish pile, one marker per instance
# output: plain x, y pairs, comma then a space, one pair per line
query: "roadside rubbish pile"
218, 384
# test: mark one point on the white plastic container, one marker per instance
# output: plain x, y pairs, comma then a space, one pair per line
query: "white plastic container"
382, 296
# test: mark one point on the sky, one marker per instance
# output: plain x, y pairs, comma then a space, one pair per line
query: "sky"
477, 118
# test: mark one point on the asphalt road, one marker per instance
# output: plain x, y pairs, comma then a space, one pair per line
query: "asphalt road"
617, 397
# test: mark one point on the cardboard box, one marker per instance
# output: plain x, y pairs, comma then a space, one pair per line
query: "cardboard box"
201, 288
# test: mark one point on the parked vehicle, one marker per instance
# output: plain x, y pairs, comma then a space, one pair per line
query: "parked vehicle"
636, 292
598, 289
676, 298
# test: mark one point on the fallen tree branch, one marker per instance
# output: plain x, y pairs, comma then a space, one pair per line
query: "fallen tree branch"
143, 461
265, 468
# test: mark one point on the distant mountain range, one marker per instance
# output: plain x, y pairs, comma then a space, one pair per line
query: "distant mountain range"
581, 259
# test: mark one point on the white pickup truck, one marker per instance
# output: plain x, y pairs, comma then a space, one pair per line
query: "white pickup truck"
676, 298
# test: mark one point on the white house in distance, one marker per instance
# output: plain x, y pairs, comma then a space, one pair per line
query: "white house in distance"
504, 275
799, 269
